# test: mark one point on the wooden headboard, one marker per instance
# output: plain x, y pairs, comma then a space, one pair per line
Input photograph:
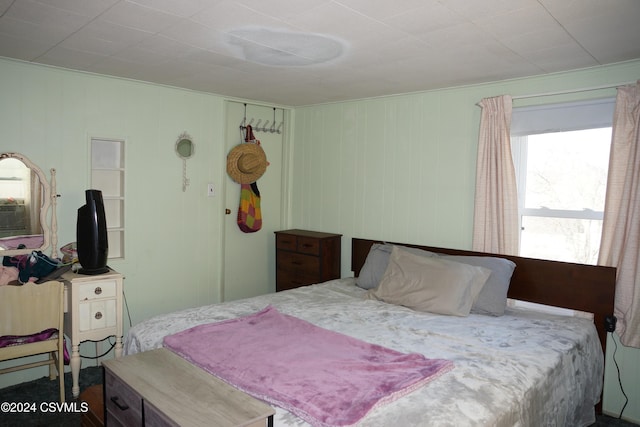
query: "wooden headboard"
576, 286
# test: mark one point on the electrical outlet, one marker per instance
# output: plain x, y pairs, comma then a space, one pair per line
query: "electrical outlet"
210, 190
610, 323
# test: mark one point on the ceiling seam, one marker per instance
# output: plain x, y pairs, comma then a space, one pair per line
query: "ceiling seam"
76, 31
569, 33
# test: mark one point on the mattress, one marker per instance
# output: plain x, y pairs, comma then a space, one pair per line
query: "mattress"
526, 368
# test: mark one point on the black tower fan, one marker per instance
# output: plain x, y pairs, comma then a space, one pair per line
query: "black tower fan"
91, 235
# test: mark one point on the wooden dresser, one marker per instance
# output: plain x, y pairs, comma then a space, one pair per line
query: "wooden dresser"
305, 257
160, 388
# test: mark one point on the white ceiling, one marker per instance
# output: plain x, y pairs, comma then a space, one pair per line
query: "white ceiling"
389, 46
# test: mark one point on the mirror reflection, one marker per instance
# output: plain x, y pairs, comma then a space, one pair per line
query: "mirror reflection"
24, 194
184, 147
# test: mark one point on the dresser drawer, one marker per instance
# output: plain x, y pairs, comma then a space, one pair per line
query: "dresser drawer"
297, 262
121, 402
302, 244
308, 245
153, 417
304, 257
95, 290
289, 279
286, 242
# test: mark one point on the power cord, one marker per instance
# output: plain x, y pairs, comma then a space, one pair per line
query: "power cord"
610, 326
103, 354
615, 349
126, 305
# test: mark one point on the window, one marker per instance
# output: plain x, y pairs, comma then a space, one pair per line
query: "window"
561, 165
107, 175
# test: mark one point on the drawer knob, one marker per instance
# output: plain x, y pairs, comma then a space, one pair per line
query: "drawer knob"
121, 406
98, 290
98, 315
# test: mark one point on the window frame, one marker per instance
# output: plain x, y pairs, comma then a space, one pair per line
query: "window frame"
550, 118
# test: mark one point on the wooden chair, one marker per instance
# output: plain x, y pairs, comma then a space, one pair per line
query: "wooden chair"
27, 310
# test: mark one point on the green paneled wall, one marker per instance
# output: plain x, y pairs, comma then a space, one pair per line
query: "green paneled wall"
402, 168
172, 237
399, 168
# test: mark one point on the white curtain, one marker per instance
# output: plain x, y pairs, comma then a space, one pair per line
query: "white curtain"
620, 246
495, 222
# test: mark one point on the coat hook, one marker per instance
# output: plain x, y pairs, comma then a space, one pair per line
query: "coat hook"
244, 119
273, 125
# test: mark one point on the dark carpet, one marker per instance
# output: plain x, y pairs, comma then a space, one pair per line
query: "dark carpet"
45, 390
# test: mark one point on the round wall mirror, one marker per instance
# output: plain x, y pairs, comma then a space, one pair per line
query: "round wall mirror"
185, 149
184, 146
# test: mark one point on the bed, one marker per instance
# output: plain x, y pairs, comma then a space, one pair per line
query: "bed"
524, 367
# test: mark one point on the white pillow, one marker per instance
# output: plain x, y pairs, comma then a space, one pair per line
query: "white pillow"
430, 284
377, 261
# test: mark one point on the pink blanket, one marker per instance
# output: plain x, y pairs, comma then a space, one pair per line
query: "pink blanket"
324, 377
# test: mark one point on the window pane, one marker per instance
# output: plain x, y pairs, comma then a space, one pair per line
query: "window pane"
568, 170
561, 239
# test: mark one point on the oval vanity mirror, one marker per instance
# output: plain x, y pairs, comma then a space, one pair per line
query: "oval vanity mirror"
185, 149
25, 198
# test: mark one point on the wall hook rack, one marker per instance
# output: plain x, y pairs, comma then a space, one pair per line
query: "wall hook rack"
265, 127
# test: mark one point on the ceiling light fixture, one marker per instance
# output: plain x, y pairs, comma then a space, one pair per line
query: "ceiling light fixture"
284, 48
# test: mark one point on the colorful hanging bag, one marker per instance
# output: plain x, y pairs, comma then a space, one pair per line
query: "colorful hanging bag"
249, 213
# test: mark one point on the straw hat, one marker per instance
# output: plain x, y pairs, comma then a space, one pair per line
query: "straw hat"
246, 163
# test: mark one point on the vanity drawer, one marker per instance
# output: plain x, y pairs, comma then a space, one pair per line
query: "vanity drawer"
97, 314
95, 290
121, 402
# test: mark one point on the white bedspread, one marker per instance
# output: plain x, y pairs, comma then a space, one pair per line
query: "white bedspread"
522, 369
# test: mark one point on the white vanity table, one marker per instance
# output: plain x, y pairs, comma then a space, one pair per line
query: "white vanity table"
93, 311
92, 304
